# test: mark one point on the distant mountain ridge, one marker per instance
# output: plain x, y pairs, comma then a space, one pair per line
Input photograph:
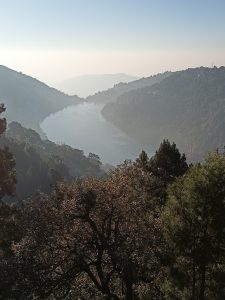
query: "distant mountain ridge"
90, 84
187, 107
28, 100
112, 94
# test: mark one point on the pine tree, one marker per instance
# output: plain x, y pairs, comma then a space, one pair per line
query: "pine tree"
195, 232
142, 162
166, 165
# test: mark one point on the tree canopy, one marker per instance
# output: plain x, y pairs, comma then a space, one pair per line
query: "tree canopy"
195, 231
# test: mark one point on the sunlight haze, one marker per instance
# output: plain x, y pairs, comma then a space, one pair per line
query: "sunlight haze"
56, 40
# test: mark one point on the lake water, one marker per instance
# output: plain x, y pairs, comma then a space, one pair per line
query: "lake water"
83, 127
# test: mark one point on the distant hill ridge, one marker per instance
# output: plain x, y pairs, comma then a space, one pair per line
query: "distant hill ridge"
90, 84
112, 94
28, 100
187, 107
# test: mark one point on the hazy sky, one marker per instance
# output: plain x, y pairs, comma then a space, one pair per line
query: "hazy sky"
57, 39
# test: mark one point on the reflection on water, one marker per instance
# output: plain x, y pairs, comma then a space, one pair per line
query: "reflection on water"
83, 127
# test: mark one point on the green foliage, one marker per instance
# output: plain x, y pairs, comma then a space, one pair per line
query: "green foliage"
7, 173
160, 170
152, 229
8, 230
195, 231
9, 233
7, 165
142, 162
168, 163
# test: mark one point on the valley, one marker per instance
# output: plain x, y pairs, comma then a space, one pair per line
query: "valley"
83, 126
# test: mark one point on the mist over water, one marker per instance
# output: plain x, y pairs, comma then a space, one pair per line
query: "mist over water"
83, 127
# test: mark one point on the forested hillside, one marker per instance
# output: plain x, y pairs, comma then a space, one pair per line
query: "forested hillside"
40, 164
28, 100
153, 229
119, 89
187, 107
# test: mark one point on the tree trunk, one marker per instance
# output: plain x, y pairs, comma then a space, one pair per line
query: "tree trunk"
193, 281
193, 272
129, 290
202, 287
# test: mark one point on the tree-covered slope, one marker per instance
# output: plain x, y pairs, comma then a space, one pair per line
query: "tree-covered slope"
187, 107
41, 163
111, 95
28, 100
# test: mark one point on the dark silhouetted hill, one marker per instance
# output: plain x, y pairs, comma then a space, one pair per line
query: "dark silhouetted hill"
187, 107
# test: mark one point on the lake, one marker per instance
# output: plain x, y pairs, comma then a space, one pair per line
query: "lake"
83, 127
